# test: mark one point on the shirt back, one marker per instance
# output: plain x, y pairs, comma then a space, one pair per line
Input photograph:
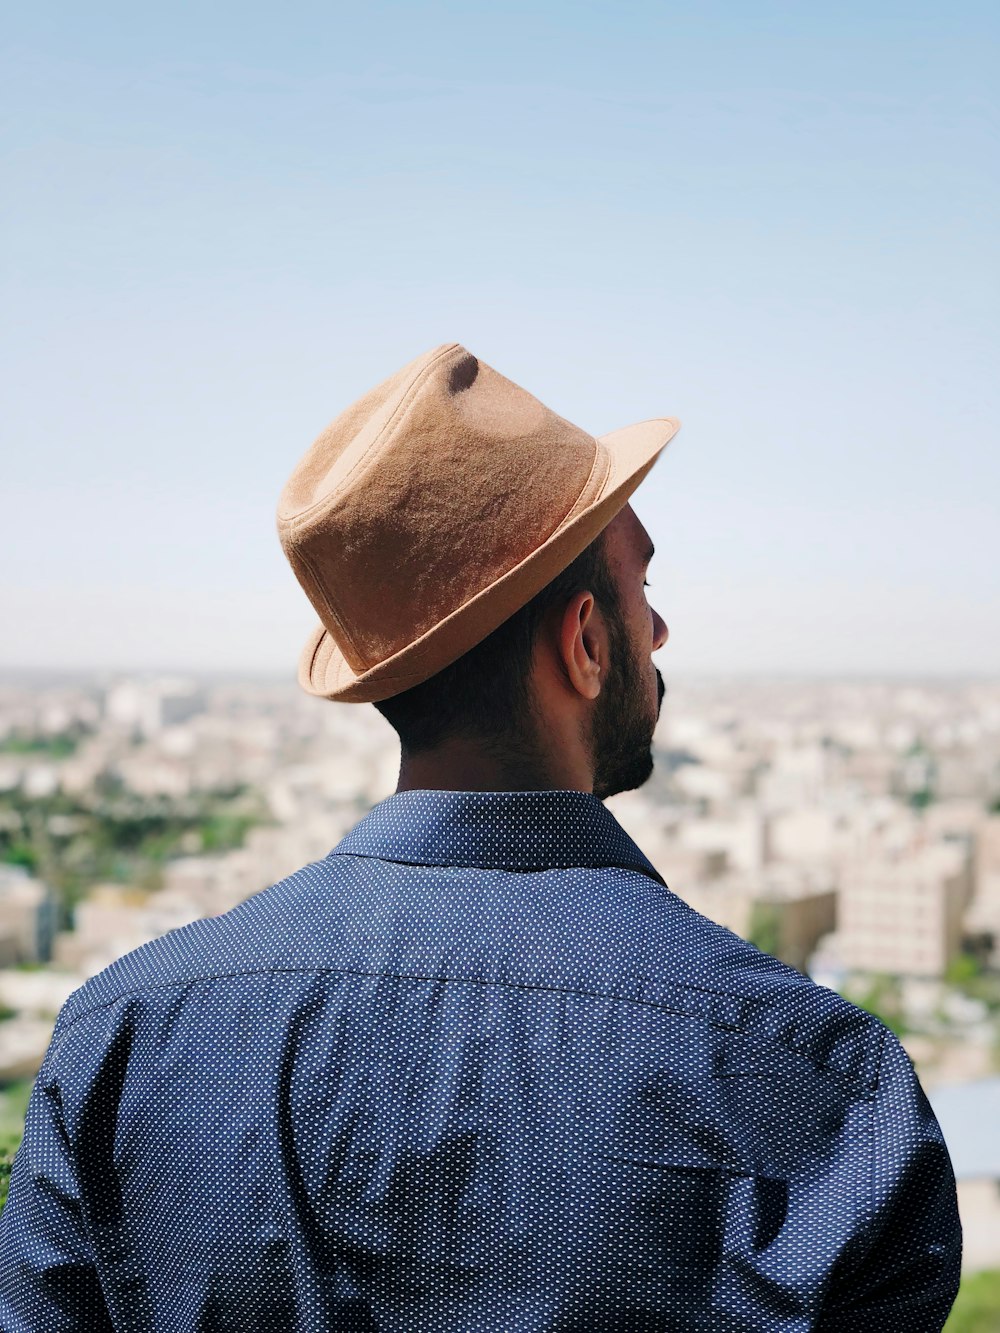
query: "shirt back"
477, 1069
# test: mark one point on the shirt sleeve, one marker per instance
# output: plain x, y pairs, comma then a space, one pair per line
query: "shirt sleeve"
904, 1271
48, 1282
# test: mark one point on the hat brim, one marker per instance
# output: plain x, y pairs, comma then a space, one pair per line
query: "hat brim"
323, 670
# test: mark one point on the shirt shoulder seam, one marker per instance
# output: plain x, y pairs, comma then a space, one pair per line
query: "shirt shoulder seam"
722, 1023
649, 871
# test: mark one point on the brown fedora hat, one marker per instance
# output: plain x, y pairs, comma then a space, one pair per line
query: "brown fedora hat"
439, 504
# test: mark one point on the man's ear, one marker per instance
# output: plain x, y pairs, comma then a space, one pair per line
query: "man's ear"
582, 645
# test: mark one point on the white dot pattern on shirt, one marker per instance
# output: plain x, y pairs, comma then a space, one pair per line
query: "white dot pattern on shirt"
476, 1069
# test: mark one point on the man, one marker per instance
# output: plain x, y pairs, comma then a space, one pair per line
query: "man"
478, 1068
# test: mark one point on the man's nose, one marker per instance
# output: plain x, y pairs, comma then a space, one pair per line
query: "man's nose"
660, 631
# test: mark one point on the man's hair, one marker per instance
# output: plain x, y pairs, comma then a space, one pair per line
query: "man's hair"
486, 693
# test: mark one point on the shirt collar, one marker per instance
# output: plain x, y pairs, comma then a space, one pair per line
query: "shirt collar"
499, 830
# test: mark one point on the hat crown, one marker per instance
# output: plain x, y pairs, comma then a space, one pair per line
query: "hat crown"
427, 490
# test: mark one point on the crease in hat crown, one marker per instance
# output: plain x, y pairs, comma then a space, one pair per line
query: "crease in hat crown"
432, 508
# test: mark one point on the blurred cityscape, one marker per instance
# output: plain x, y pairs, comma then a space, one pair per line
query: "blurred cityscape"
851, 828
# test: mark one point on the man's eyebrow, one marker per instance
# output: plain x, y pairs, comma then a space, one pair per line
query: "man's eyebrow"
649, 554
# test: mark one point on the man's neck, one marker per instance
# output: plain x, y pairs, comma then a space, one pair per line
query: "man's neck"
464, 765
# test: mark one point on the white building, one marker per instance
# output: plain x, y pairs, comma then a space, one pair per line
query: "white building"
27, 917
900, 909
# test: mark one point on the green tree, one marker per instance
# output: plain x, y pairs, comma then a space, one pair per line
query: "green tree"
882, 997
8, 1147
977, 1309
765, 928
13, 1104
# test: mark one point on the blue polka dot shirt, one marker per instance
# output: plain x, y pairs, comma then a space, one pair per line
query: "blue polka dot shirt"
476, 1069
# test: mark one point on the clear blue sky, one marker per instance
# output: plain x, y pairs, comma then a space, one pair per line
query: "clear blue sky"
776, 221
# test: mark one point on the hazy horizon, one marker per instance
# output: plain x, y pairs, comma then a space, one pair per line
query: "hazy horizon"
75, 675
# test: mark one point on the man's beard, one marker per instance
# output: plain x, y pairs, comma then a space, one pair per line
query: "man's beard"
621, 736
